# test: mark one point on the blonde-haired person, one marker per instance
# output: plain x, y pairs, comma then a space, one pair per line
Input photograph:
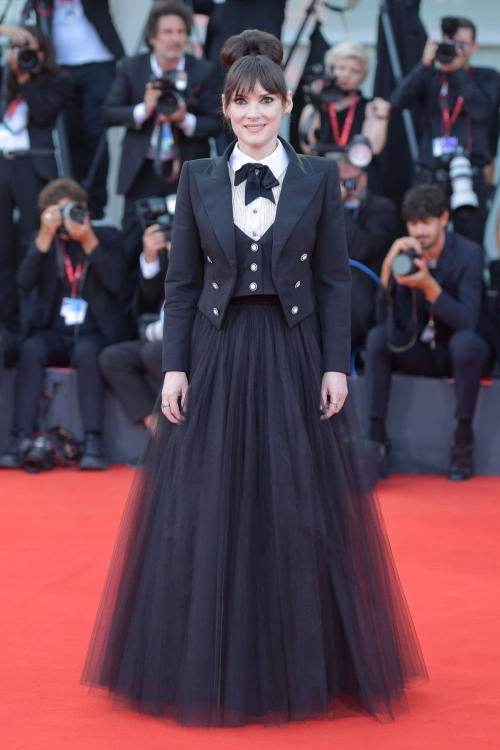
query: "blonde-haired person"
349, 63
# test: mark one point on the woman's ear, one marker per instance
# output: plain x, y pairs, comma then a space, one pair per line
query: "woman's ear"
288, 103
224, 108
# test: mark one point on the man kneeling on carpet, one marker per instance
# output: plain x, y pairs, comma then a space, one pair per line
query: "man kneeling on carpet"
76, 271
429, 308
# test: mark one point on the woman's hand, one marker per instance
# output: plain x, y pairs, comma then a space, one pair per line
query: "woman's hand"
334, 385
17, 35
174, 385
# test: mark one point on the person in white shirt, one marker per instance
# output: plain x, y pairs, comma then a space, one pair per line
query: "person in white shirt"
87, 46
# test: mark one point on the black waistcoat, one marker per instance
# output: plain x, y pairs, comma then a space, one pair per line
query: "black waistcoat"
253, 259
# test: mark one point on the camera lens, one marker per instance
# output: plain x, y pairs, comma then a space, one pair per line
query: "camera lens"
403, 264
27, 59
446, 51
74, 211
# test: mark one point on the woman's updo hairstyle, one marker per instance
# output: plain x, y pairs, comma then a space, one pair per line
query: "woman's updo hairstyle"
253, 57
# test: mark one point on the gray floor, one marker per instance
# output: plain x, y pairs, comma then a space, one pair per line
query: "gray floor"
420, 421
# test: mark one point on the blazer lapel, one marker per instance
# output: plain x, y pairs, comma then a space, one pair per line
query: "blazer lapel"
214, 186
300, 185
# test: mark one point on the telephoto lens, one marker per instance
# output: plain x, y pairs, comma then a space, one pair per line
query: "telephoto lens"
404, 263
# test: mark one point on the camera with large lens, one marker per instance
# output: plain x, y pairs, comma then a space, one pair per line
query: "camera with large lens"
404, 262
156, 210
462, 186
27, 59
173, 86
40, 455
446, 51
330, 91
358, 151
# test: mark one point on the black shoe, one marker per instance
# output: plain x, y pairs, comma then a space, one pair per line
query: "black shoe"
93, 457
461, 462
379, 452
13, 455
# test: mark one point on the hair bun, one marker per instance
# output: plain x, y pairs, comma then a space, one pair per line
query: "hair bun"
251, 42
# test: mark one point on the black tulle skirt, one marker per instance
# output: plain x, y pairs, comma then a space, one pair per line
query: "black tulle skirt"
252, 579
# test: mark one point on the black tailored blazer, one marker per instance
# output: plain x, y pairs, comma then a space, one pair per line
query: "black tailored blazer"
99, 15
128, 90
309, 245
103, 282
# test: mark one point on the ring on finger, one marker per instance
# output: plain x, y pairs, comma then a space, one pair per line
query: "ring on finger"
165, 405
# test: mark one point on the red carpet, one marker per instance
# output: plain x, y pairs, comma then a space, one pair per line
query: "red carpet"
56, 536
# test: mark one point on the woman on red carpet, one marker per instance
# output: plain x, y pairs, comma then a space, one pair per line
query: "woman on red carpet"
252, 580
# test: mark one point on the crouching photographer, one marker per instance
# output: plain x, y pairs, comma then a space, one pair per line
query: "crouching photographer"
459, 103
429, 309
131, 367
76, 271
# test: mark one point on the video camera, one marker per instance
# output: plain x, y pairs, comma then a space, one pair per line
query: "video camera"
156, 210
173, 85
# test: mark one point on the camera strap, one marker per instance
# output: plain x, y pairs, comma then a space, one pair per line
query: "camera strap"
175, 160
74, 276
448, 119
341, 139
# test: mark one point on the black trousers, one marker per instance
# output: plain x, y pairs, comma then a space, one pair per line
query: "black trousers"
9, 347
50, 348
465, 356
124, 367
146, 184
19, 188
85, 126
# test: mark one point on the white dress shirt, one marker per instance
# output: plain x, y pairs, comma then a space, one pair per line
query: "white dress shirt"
14, 134
256, 218
75, 39
189, 124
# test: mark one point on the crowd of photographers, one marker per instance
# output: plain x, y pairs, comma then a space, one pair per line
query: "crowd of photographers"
73, 293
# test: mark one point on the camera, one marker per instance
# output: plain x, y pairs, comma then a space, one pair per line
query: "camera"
54, 447
446, 51
404, 263
39, 455
349, 184
358, 151
462, 189
173, 86
329, 93
74, 211
156, 210
27, 59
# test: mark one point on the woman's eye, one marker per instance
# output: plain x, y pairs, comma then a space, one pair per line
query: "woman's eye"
268, 100
240, 101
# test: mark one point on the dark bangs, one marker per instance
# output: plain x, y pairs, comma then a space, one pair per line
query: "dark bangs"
250, 70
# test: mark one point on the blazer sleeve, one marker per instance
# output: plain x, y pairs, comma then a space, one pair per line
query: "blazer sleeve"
45, 102
332, 278
183, 282
118, 107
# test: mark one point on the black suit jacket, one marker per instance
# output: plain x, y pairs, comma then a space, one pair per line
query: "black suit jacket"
128, 90
460, 274
103, 281
98, 13
309, 245
45, 99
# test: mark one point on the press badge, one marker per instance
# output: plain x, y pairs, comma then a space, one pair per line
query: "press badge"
428, 335
446, 145
74, 310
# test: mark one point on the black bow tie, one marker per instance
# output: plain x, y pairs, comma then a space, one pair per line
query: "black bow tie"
260, 181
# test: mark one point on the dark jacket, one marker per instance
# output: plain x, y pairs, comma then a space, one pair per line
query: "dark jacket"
98, 13
149, 294
309, 245
128, 90
460, 274
102, 283
45, 98
480, 89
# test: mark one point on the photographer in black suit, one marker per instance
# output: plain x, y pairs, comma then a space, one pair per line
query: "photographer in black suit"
77, 272
156, 144
459, 106
35, 90
125, 365
88, 46
431, 311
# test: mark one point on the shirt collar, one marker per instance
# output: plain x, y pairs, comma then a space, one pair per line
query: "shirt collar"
277, 161
158, 72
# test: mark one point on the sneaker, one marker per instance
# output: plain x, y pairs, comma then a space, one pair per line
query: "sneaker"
93, 457
13, 455
461, 462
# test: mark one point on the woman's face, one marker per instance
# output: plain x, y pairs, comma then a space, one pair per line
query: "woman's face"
256, 116
349, 72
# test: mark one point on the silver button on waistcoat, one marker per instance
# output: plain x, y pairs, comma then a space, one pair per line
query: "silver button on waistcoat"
297, 284
209, 259
216, 312
295, 310
254, 267
215, 286
254, 247
303, 257
253, 286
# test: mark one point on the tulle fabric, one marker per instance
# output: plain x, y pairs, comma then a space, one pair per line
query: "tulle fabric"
252, 579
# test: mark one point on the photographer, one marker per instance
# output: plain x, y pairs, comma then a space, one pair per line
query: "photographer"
34, 91
125, 365
431, 311
161, 134
459, 106
371, 225
77, 272
338, 110
88, 46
